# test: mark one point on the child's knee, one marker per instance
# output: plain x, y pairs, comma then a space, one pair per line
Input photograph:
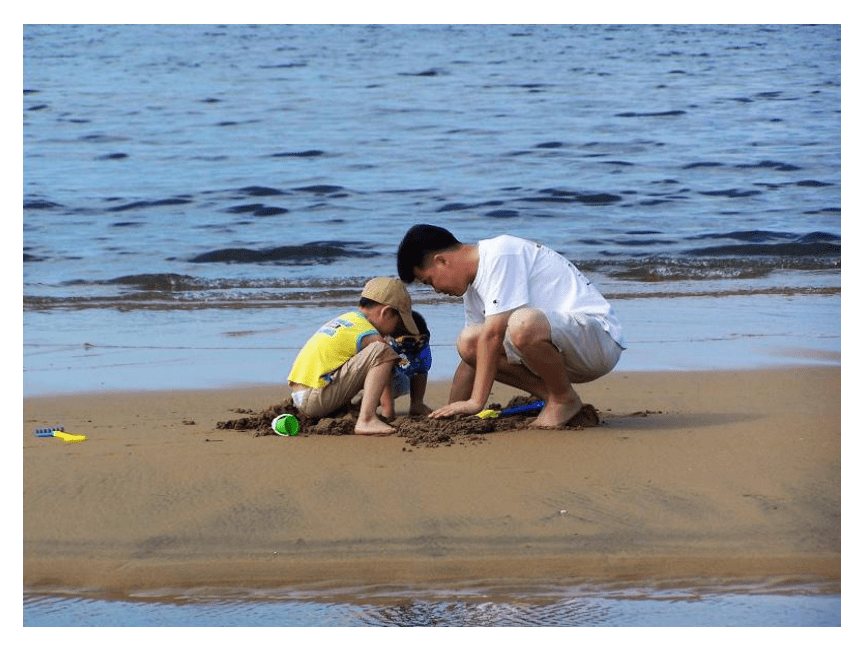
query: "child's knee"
381, 354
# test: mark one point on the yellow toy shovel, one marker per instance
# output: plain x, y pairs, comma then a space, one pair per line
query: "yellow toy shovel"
495, 414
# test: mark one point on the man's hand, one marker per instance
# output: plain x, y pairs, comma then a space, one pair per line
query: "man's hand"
458, 407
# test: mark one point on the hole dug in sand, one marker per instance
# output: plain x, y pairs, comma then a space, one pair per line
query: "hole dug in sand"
416, 430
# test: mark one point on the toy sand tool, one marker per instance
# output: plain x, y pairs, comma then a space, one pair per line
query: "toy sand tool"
60, 433
507, 412
286, 425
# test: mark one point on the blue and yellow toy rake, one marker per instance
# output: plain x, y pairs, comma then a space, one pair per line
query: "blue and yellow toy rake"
59, 432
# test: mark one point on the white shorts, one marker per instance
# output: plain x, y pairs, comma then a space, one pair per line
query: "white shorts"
588, 349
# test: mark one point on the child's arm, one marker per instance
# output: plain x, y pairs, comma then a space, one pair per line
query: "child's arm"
417, 389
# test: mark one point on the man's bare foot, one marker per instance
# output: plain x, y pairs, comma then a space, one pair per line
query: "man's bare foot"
374, 426
557, 414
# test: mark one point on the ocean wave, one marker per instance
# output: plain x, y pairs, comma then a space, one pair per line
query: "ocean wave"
804, 250
309, 253
348, 298
650, 270
654, 276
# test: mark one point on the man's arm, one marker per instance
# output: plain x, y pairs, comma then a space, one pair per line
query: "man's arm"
489, 347
461, 386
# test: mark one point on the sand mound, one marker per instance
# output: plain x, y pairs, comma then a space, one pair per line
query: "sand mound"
416, 430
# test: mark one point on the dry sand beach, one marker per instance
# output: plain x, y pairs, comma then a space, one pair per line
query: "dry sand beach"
691, 478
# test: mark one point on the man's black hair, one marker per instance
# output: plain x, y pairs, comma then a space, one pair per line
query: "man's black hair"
420, 240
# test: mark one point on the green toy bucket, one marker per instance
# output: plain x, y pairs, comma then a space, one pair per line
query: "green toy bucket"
286, 425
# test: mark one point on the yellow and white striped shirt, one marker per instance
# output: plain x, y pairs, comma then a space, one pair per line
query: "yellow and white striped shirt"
330, 347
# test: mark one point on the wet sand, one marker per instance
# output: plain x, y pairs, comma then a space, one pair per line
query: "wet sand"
690, 478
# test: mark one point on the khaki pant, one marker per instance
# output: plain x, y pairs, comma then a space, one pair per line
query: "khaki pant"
346, 381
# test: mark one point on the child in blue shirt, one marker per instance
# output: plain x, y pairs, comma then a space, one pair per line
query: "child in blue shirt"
410, 372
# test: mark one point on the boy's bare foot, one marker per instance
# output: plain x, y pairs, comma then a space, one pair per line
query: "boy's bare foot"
375, 426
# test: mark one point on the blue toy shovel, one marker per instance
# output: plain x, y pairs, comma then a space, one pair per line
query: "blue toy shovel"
520, 409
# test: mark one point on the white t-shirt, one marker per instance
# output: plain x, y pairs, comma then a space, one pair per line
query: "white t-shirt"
514, 273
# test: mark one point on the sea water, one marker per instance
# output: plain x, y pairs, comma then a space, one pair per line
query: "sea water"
197, 199
801, 606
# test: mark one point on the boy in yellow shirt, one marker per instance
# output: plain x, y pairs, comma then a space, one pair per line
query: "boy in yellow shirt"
349, 353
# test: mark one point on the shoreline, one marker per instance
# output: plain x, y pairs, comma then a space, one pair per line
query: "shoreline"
95, 353
692, 478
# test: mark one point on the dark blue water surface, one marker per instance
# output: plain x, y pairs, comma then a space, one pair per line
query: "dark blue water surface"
202, 190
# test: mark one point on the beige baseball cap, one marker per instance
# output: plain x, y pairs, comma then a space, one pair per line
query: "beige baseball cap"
392, 292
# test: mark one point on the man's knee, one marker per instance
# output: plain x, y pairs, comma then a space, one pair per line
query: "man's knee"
467, 343
527, 326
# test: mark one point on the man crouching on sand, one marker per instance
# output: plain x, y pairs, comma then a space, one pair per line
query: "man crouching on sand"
350, 353
533, 320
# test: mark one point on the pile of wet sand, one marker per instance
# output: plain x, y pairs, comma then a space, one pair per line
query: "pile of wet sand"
418, 431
